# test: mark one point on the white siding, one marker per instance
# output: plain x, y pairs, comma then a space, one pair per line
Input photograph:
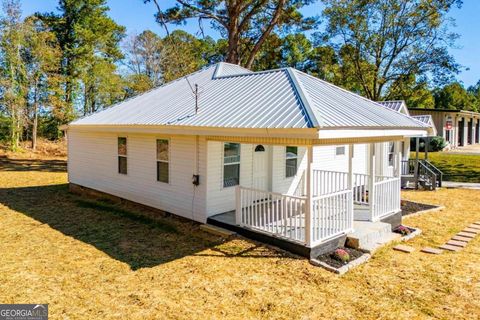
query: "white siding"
325, 158
93, 163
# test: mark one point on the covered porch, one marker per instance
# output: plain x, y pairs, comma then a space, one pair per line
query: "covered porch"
321, 205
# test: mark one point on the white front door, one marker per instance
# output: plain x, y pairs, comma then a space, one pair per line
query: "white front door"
260, 167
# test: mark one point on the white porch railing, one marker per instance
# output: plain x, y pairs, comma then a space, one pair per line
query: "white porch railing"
274, 213
360, 188
326, 182
387, 197
332, 215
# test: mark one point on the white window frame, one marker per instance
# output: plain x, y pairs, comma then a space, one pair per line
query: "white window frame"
344, 151
158, 160
122, 155
231, 163
290, 158
391, 151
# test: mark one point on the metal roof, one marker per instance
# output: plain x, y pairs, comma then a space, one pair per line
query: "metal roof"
396, 105
233, 97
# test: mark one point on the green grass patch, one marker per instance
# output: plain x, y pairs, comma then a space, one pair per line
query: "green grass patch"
455, 167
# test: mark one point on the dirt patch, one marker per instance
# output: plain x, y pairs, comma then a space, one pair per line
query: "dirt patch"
330, 259
410, 207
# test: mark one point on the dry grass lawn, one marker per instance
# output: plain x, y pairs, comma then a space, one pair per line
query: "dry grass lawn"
92, 260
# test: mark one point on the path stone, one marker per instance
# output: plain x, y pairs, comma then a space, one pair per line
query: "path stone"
450, 247
431, 250
457, 243
471, 230
466, 234
474, 226
404, 248
460, 238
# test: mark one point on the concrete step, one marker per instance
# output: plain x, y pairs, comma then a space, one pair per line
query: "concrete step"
370, 235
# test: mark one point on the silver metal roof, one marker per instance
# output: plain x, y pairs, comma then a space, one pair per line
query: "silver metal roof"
396, 105
233, 97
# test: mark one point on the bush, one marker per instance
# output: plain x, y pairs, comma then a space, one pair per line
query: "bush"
404, 231
436, 144
341, 255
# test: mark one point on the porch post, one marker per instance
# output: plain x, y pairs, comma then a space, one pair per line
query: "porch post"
371, 180
350, 166
398, 159
308, 209
417, 147
238, 206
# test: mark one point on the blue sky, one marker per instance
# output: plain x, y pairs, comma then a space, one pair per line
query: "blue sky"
136, 17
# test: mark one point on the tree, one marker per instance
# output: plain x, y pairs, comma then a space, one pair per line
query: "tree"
143, 54
89, 40
245, 24
12, 69
454, 96
183, 54
387, 39
41, 56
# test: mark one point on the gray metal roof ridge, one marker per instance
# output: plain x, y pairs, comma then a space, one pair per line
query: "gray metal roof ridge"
313, 116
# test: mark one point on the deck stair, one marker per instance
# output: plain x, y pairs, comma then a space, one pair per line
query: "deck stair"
369, 236
429, 176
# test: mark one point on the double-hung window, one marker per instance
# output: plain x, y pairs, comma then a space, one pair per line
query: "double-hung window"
163, 173
291, 161
122, 155
231, 164
391, 153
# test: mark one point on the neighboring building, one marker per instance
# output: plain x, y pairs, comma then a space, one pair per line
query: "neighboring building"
279, 154
458, 127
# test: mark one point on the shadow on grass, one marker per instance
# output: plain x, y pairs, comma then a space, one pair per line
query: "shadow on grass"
32, 165
122, 233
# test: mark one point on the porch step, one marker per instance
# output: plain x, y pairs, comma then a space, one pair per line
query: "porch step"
370, 235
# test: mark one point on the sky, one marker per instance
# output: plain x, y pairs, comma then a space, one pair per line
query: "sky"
136, 17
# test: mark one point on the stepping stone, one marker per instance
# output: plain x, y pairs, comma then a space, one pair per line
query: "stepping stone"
466, 234
460, 238
431, 250
474, 226
450, 247
403, 248
471, 230
457, 243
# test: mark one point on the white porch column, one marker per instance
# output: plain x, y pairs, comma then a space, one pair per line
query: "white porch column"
398, 159
474, 132
350, 166
308, 209
371, 180
465, 132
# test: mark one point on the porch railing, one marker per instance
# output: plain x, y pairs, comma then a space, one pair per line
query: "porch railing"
360, 188
387, 197
332, 215
274, 213
326, 182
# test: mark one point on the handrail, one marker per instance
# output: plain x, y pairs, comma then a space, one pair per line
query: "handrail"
423, 170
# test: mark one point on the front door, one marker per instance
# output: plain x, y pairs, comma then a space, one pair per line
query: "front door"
260, 167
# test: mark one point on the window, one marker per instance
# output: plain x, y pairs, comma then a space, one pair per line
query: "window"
340, 151
259, 148
391, 153
163, 173
122, 155
231, 164
291, 159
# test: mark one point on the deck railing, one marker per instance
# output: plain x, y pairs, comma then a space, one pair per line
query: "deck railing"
326, 182
332, 215
387, 197
360, 188
274, 213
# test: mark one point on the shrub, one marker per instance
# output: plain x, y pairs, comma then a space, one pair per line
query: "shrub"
341, 255
404, 231
437, 144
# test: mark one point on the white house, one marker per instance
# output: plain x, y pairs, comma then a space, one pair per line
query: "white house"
277, 153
